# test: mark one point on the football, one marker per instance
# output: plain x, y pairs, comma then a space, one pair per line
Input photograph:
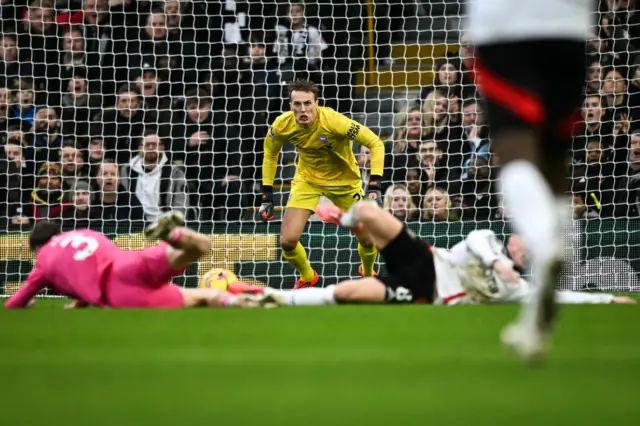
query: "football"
217, 278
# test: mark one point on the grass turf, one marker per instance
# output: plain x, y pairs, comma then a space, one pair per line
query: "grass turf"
409, 365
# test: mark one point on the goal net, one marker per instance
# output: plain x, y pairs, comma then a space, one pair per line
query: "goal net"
113, 111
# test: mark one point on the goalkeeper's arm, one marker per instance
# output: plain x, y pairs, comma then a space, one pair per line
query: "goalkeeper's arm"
272, 148
369, 139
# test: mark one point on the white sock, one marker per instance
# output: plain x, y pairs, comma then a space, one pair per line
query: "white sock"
350, 218
532, 208
310, 296
538, 217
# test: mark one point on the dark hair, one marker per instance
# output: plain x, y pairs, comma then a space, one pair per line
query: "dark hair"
9, 33
41, 233
152, 131
197, 97
74, 29
129, 88
303, 86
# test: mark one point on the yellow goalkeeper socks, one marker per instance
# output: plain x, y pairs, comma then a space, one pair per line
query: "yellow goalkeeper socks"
368, 256
298, 258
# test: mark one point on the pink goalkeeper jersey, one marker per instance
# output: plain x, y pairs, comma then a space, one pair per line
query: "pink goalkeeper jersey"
74, 264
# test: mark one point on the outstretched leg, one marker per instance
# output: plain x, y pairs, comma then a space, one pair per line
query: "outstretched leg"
210, 297
362, 291
186, 245
366, 219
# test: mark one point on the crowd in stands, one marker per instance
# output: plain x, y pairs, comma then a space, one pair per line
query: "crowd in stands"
113, 111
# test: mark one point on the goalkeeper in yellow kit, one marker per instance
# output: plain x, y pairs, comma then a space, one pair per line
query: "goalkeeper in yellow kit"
326, 166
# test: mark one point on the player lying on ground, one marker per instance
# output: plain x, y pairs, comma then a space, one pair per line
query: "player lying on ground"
475, 270
326, 166
88, 267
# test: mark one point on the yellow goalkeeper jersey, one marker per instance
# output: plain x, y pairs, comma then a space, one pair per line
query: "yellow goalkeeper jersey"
325, 152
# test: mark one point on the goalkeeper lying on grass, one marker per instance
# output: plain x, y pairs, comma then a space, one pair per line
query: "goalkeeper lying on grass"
474, 271
87, 266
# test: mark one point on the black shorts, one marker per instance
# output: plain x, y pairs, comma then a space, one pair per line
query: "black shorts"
533, 84
411, 273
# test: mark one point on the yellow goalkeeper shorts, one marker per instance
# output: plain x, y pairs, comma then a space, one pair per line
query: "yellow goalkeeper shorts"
305, 195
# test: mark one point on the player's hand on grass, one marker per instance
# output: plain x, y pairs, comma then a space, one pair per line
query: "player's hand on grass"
506, 272
266, 207
373, 192
624, 300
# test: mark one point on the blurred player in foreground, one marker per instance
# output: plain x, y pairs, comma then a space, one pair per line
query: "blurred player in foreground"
88, 267
474, 271
326, 166
531, 68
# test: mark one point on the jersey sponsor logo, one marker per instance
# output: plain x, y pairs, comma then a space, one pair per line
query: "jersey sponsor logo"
353, 131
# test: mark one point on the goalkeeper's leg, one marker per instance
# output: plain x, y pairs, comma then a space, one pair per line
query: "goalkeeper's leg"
293, 224
142, 279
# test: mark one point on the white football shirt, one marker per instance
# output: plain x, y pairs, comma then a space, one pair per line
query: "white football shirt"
492, 21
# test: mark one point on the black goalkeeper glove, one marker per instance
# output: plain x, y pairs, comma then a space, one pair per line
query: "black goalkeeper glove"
266, 207
373, 189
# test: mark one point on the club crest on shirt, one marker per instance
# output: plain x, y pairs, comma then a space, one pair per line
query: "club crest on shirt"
323, 140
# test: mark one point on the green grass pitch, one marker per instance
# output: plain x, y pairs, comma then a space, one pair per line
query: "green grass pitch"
356, 366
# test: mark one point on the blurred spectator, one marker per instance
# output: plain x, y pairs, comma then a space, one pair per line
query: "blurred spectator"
175, 51
410, 129
261, 97
398, 201
38, 43
430, 161
224, 81
124, 124
186, 22
7, 118
299, 46
475, 135
46, 200
97, 153
478, 197
105, 43
16, 178
74, 55
210, 150
415, 184
73, 167
580, 210
152, 91
78, 105
627, 185
594, 77
448, 79
47, 136
23, 99
449, 139
615, 96
9, 60
438, 206
594, 177
79, 213
113, 204
158, 185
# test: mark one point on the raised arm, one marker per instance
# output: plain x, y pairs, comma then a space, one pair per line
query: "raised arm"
34, 283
